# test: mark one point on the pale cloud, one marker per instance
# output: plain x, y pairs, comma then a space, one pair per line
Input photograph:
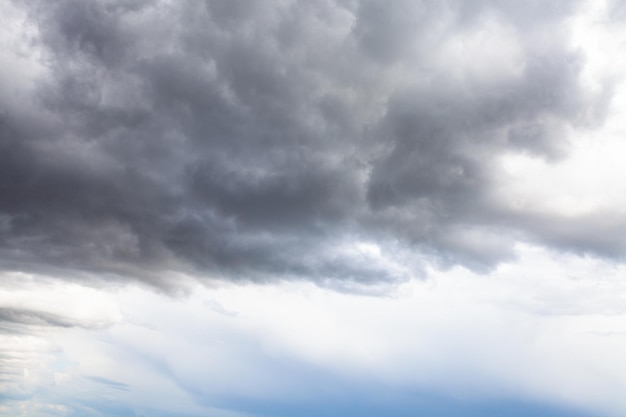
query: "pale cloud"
547, 328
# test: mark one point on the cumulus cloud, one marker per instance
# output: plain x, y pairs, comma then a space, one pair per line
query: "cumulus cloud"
249, 142
318, 152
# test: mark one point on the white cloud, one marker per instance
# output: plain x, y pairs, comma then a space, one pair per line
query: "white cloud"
547, 327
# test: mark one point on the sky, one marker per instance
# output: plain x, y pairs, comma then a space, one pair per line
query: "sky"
279, 208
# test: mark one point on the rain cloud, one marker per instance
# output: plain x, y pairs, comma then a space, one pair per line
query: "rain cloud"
330, 140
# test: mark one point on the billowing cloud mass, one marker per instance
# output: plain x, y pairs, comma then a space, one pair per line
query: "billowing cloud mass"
286, 208
262, 141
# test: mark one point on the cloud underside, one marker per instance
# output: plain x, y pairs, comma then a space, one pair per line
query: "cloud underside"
270, 140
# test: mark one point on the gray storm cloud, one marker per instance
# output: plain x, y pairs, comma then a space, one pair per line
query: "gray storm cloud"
251, 140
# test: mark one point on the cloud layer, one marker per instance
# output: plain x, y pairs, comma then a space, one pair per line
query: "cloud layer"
288, 173
255, 142
543, 335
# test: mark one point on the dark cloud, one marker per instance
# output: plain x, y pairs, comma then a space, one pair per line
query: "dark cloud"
255, 141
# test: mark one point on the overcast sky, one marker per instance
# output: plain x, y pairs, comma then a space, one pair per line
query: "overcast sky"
279, 208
